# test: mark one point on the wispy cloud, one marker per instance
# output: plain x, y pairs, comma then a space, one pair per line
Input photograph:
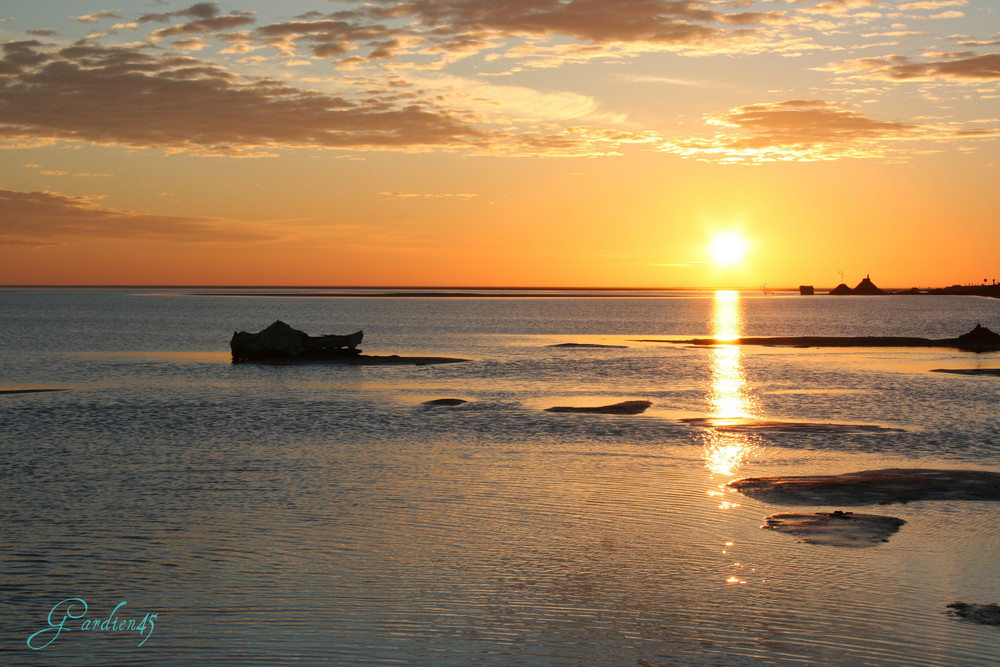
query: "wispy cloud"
427, 195
49, 218
62, 172
933, 4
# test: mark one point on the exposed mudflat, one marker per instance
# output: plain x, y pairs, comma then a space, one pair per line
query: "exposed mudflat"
871, 487
586, 345
623, 408
969, 371
358, 360
985, 614
836, 529
445, 402
32, 390
749, 425
978, 340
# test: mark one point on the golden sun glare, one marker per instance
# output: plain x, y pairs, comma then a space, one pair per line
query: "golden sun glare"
728, 248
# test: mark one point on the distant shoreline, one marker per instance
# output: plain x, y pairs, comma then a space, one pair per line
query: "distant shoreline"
992, 291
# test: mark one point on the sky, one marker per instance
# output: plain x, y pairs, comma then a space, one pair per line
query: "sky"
556, 143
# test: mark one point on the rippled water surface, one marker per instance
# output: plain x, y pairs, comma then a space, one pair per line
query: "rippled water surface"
324, 515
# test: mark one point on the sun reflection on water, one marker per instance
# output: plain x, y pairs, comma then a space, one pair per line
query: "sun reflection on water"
729, 398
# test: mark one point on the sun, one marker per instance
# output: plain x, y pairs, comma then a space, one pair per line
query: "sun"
728, 248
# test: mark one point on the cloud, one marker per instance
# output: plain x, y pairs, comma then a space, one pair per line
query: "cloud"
934, 4
128, 96
665, 80
61, 172
901, 68
27, 243
427, 195
99, 16
203, 26
839, 7
194, 44
794, 130
123, 95
506, 102
596, 21
48, 218
546, 33
202, 11
328, 38
206, 18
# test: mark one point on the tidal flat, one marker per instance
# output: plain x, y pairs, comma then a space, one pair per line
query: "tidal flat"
317, 513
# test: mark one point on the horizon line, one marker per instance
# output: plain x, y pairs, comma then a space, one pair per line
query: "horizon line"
534, 288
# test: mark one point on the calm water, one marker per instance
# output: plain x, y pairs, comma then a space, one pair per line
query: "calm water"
322, 514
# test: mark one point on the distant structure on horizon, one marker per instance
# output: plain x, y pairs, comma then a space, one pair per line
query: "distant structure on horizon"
865, 287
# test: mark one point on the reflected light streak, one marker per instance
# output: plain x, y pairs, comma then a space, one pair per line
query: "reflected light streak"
729, 399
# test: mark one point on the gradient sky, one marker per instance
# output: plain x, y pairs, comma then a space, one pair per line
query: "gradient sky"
503, 143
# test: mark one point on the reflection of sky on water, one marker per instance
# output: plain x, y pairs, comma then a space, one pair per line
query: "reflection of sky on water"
729, 397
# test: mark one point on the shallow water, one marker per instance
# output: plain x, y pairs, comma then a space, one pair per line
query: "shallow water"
322, 514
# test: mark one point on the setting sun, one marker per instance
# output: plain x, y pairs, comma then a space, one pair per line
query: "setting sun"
728, 248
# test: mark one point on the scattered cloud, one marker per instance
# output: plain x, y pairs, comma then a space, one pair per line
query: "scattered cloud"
984, 67
61, 172
594, 21
794, 130
137, 97
934, 4
123, 95
99, 16
194, 44
839, 7
382, 88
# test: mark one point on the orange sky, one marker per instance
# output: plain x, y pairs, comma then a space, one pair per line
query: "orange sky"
545, 142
